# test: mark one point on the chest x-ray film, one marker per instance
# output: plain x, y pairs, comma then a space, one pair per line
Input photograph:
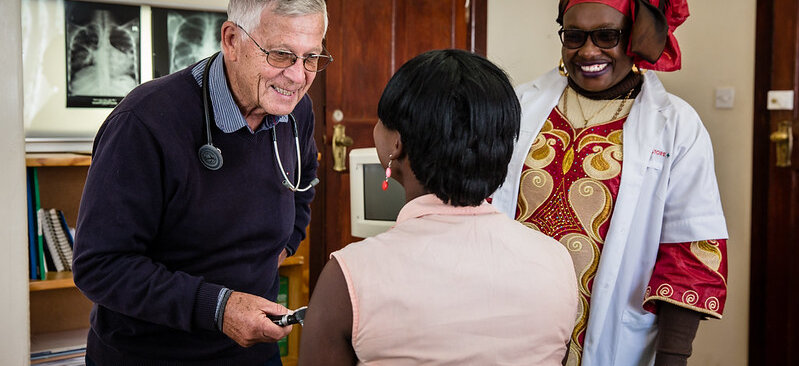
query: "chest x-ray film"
102, 52
183, 37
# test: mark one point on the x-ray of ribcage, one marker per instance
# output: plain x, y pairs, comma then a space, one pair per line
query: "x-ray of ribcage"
102, 53
192, 36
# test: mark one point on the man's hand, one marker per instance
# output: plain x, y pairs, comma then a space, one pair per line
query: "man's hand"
246, 321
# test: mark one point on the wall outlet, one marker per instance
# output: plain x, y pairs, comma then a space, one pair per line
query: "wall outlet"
725, 97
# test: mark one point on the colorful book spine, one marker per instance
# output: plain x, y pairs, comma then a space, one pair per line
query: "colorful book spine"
39, 238
51, 240
66, 228
62, 241
33, 247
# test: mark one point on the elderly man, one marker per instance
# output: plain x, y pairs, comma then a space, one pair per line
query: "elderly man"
179, 248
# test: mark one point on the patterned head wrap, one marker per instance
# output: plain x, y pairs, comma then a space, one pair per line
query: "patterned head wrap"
652, 43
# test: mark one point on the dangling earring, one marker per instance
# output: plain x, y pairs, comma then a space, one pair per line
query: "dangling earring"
637, 70
562, 68
388, 174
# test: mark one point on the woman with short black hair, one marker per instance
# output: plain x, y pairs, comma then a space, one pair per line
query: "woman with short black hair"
453, 123
454, 281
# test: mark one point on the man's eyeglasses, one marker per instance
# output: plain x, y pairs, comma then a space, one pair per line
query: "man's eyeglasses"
284, 59
602, 38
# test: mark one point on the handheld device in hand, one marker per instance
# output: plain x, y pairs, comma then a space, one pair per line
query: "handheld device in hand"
295, 317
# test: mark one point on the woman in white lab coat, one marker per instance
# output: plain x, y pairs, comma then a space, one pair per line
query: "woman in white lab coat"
621, 173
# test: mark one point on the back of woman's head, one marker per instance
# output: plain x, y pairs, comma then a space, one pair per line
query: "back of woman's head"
458, 118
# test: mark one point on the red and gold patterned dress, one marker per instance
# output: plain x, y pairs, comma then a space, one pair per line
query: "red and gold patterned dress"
568, 189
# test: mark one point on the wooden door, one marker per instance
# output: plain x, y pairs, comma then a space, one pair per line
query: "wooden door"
369, 41
773, 320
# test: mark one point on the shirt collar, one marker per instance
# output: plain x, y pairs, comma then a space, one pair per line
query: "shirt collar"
429, 204
226, 113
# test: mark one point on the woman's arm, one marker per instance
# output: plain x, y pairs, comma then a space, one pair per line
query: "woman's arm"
327, 330
676, 331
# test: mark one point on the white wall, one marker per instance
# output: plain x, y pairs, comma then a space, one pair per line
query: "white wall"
14, 329
718, 51
523, 38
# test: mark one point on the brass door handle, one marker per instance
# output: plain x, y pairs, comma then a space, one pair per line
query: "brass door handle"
340, 143
783, 140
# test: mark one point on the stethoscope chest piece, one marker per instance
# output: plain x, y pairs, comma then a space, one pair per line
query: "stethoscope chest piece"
211, 157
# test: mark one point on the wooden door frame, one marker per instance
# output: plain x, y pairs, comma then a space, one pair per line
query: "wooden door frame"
319, 251
776, 55
316, 231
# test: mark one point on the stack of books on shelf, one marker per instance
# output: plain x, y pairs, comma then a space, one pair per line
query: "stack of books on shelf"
62, 348
50, 238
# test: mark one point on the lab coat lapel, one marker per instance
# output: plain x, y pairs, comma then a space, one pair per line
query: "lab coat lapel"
643, 128
537, 100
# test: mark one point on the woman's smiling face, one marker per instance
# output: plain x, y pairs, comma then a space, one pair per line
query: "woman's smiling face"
593, 68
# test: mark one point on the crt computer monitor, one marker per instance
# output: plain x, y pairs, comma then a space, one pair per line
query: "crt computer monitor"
372, 210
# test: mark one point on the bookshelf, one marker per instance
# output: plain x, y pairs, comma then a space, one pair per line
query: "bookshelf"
53, 281
59, 313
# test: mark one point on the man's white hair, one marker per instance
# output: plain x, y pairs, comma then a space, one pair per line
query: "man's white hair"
247, 13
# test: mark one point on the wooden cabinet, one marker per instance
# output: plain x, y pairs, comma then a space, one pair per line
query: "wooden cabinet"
59, 313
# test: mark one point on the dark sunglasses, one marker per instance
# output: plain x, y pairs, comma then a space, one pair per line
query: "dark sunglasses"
602, 38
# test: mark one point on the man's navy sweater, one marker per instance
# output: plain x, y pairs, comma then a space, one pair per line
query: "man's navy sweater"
159, 235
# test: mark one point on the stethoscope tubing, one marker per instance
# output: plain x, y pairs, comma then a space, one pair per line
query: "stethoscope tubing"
218, 153
286, 182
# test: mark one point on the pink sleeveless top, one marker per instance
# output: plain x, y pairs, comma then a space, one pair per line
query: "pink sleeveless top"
459, 286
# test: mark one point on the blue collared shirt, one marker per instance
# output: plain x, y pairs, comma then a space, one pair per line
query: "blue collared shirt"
227, 115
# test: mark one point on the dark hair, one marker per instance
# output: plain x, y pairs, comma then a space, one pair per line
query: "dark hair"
458, 118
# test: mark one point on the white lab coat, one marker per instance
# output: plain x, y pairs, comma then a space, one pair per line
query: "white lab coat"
668, 194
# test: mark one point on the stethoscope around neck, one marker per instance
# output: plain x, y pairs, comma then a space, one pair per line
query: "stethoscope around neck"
211, 156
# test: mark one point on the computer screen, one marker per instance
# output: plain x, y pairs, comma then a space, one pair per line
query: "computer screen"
372, 210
